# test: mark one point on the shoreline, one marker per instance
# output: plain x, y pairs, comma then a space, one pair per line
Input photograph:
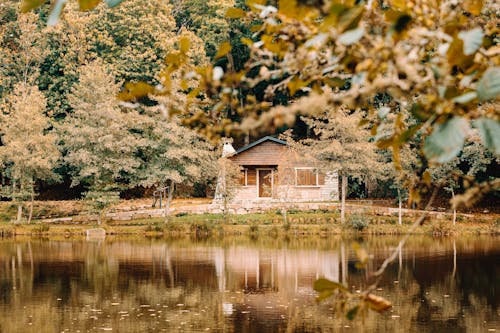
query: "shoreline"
308, 223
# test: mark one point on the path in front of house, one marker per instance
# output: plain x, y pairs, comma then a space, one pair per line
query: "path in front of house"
125, 212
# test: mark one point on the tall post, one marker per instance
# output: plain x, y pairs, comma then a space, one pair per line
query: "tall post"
454, 209
400, 216
344, 190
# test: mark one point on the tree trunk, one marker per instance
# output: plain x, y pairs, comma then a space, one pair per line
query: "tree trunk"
454, 209
19, 212
169, 199
344, 191
400, 217
31, 207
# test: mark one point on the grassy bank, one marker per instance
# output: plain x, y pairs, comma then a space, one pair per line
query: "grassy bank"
318, 223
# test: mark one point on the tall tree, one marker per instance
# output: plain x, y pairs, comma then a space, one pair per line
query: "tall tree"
97, 141
29, 152
207, 19
22, 49
171, 154
342, 145
133, 39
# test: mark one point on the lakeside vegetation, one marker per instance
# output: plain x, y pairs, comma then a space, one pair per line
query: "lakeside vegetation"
312, 223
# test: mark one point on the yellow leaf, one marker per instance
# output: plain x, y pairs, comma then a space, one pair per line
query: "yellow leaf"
184, 44
135, 90
350, 18
252, 3
456, 55
28, 5
224, 49
288, 8
377, 303
360, 253
235, 13
473, 6
255, 28
399, 4
173, 59
247, 41
184, 84
86, 5
295, 85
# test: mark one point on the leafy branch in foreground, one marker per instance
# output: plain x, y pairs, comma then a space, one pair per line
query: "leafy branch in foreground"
437, 61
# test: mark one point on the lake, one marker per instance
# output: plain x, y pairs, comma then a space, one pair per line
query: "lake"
242, 284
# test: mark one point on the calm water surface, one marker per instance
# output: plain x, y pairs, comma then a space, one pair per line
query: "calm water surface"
244, 285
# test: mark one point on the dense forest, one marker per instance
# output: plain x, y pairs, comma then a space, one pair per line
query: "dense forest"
115, 101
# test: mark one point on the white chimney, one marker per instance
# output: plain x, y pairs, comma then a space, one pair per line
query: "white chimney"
227, 148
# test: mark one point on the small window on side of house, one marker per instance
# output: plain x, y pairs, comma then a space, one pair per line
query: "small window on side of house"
306, 177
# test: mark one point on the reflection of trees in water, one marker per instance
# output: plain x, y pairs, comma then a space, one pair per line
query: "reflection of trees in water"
147, 286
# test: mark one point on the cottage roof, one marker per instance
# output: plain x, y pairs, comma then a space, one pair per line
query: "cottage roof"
258, 142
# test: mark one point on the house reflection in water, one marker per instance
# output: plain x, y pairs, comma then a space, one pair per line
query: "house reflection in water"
236, 285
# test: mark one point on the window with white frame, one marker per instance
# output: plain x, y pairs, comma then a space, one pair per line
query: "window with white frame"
308, 177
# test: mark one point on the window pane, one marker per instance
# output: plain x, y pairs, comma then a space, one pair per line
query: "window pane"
306, 177
251, 177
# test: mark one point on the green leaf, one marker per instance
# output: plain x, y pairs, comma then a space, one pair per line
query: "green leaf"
321, 285
56, 13
465, 98
351, 36
28, 5
113, 3
351, 314
489, 85
489, 130
446, 140
472, 40
235, 13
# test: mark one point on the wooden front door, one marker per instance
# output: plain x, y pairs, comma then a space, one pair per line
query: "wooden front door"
265, 183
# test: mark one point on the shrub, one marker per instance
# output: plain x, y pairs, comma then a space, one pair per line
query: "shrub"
287, 226
156, 227
441, 227
41, 228
254, 228
357, 222
200, 228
